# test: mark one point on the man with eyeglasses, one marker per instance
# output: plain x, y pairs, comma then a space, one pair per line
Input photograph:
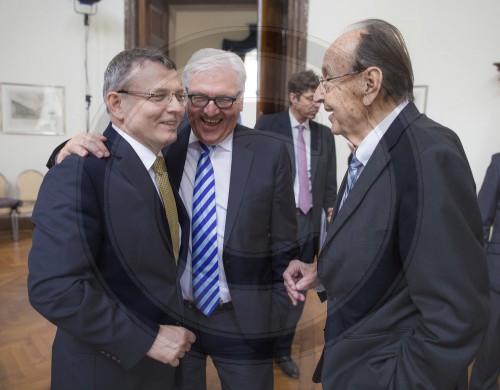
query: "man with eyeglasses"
237, 186
106, 244
311, 147
402, 268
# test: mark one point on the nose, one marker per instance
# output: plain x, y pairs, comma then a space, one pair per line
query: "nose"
319, 95
211, 108
174, 106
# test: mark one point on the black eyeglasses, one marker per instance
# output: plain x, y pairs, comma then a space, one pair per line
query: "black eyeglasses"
201, 101
327, 82
159, 96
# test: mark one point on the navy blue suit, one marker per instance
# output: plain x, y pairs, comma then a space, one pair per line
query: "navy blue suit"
487, 364
404, 267
102, 270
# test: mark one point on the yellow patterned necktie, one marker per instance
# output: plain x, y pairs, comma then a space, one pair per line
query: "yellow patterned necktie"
169, 204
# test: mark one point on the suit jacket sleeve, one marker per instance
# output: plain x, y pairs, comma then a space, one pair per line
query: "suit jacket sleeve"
52, 158
283, 233
283, 222
488, 196
64, 284
447, 280
331, 172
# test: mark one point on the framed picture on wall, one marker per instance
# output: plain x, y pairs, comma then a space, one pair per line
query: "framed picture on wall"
32, 109
420, 94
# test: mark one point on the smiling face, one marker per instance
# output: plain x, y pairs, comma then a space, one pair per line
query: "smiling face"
211, 124
153, 124
342, 97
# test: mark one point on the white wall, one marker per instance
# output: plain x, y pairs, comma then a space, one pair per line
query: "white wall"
452, 44
43, 43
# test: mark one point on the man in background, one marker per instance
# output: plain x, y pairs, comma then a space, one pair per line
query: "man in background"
402, 267
106, 245
311, 147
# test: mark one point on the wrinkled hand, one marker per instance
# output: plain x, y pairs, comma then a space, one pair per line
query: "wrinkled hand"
171, 344
83, 144
298, 277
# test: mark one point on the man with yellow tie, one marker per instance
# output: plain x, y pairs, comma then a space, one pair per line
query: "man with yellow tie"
103, 266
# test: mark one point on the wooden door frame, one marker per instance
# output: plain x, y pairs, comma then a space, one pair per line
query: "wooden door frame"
282, 42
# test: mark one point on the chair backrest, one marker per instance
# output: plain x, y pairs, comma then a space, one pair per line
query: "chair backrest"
4, 186
28, 184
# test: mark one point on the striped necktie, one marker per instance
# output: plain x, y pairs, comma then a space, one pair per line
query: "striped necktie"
169, 204
205, 262
352, 176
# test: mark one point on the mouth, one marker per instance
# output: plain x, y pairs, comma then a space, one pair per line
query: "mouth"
211, 122
171, 123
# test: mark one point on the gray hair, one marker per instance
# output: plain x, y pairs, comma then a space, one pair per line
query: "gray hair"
117, 73
215, 59
382, 45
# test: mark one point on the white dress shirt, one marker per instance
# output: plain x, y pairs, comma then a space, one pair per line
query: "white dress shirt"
221, 158
307, 140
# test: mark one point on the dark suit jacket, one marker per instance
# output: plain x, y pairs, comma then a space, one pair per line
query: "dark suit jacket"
489, 203
323, 162
404, 267
102, 270
260, 226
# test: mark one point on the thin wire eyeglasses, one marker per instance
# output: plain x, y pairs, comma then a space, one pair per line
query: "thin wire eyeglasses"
327, 82
223, 102
158, 97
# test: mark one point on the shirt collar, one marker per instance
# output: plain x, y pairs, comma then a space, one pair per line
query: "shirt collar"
145, 154
295, 122
226, 144
366, 148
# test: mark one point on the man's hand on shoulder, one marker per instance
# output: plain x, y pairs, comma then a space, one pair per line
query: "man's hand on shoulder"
83, 144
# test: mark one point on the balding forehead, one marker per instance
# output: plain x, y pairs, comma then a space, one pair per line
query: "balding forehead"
338, 57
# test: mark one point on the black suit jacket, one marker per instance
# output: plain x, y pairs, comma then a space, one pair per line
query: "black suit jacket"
323, 161
404, 267
489, 203
260, 227
101, 269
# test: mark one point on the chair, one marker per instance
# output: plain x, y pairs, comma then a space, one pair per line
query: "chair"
8, 207
28, 184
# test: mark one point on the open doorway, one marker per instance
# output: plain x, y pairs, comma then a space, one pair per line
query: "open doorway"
281, 37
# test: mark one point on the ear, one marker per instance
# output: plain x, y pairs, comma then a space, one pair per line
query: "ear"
114, 103
372, 84
293, 98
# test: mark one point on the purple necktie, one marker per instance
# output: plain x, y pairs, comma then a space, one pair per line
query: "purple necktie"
304, 193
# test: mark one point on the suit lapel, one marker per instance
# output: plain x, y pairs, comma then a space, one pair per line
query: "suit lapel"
175, 154
240, 169
315, 149
378, 161
376, 164
285, 129
130, 166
